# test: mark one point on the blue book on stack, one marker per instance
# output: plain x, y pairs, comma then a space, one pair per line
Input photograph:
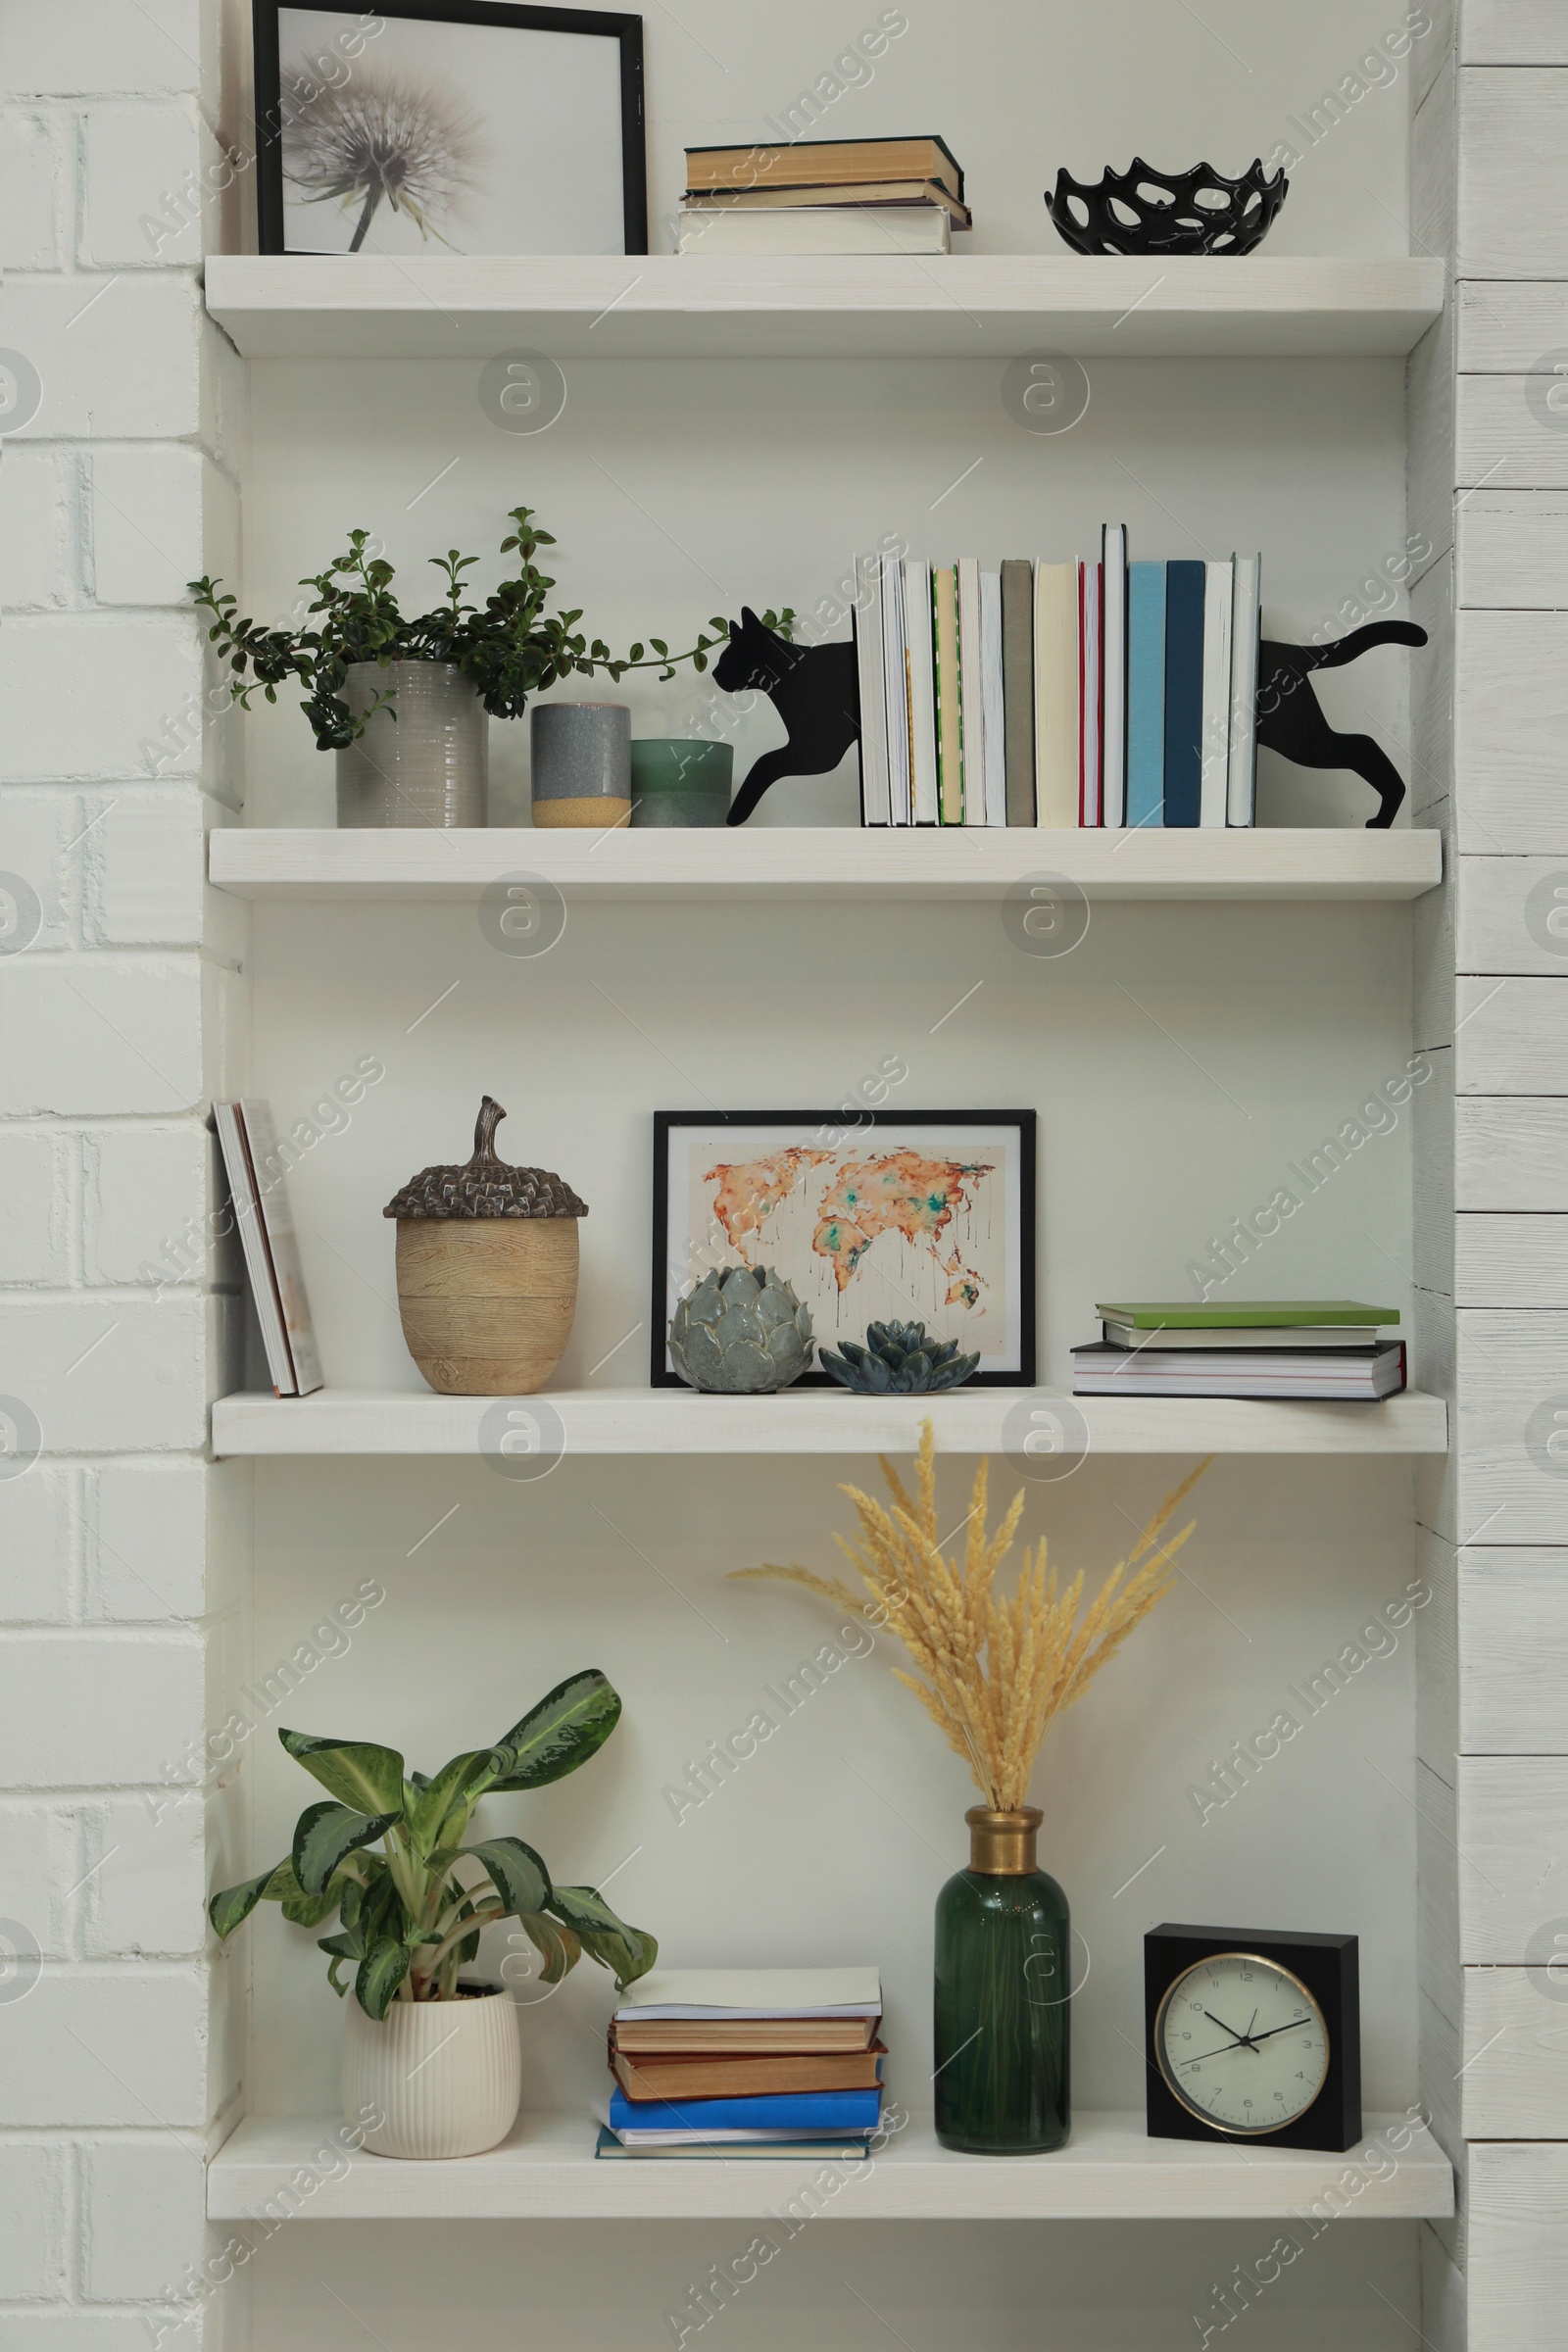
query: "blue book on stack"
815, 2115
1185, 584
1146, 694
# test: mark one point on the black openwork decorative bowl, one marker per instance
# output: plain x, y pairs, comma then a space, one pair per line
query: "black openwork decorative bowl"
1143, 211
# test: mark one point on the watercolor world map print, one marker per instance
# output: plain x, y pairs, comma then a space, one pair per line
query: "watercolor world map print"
864, 1234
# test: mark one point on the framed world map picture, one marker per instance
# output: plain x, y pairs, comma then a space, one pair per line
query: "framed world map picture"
921, 1216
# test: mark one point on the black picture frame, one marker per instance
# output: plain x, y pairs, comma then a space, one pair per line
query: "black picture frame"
592, 23
1328, 1966
857, 1125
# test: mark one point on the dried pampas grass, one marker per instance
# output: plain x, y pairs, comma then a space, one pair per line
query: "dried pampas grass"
993, 1670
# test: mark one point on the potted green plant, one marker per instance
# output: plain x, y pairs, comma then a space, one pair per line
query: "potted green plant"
403, 701
437, 2063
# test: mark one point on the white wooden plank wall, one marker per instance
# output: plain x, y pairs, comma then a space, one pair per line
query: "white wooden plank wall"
1489, 729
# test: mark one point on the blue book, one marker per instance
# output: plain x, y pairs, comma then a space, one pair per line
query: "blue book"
1146, 694
820, 2111
1185, 585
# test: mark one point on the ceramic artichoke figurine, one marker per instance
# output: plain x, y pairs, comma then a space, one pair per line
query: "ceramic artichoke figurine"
741, 1333
898, 1360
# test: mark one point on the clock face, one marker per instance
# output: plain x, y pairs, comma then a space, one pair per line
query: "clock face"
1241, 2043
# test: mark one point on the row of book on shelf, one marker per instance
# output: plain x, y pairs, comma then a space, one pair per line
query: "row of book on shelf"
1335, 1348
1109, 694
744, 2062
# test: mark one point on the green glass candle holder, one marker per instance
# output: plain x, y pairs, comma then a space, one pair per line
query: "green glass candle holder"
676, 780
1001, 2046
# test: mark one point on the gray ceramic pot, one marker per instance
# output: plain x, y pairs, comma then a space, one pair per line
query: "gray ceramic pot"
680, 781
581, 763
429, 764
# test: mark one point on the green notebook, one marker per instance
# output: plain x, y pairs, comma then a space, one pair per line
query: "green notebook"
1253, 1315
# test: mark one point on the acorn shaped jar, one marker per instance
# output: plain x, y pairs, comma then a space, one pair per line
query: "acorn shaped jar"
487, 1270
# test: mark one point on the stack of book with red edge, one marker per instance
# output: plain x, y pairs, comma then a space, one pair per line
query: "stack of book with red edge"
1281, 1347
851, 196
746, 2062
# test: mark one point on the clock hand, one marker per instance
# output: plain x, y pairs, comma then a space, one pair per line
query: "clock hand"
1285, 2028
1220, 2053
1223, 2027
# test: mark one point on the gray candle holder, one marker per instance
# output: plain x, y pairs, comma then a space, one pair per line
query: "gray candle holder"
581, 762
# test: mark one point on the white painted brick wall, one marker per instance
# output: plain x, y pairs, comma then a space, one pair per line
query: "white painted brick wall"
89, 1709
33, 527
37, 1519
143, 858
33, 2198
90, 696
150, 172
132, 1175
36, 1190
145, 1872
29, 171
116, 1014
132, 2185
146, 517
101, 1036
117, 353
145, 1550
96, 2047
38, 1870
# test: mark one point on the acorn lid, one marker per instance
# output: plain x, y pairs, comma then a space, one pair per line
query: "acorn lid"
488, 1186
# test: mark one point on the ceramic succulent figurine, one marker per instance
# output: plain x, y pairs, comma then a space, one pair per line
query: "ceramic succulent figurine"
898, 1360
741, 1333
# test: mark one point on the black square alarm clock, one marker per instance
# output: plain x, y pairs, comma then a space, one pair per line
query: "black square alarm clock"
1255, 2035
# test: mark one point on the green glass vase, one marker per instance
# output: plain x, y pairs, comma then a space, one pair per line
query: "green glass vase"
1002, 1996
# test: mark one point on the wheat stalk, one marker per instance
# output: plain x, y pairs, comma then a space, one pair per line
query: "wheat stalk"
993, 1670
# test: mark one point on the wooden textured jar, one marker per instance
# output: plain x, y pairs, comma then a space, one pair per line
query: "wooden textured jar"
487, 1270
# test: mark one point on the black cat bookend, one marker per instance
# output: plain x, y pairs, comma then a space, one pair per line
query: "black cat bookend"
812, 688
1291, 720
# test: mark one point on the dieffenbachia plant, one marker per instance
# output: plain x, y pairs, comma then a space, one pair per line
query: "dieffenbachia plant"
410, 1914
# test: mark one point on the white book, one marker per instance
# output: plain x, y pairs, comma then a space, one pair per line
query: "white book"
991, 687
1056, 714
862, 229
754, 1992
1113, 671
253, 1243
1220, 589
971, 690
896, 688
1240, 794
876, 807
1088, 803
921, 654
268, 1171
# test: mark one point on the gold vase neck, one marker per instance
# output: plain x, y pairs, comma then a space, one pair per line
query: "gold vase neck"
1001, 1846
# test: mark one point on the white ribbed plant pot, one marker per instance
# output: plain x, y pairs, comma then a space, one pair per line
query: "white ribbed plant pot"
436, 2079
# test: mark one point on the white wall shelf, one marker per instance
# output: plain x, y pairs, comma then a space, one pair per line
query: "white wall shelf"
825, 863
691, 306
601, 1421
1110, 2170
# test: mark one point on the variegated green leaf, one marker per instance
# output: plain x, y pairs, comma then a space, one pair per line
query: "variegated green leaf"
356, 1773
325, 1834
558, 1947
235, 1904
628, 1952
517, 1873
567, 1727
453, 1788
380, 1972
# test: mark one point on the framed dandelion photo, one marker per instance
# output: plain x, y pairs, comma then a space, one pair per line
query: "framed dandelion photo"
922, 1216
466, 126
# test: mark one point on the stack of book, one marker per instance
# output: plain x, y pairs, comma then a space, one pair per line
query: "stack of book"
1330, 1348
1078, 694
746, 2062
254, 1163
855, 196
